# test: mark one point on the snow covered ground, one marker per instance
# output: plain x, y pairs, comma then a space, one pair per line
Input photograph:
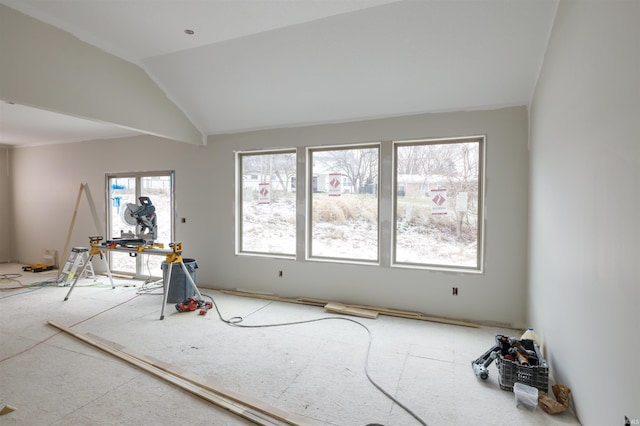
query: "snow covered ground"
346, 227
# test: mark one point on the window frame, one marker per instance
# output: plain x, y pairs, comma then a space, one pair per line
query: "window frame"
140, 261
239, 203
387, 203
308, 235
480, 245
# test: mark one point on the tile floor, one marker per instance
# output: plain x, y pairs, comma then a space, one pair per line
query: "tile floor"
315, 370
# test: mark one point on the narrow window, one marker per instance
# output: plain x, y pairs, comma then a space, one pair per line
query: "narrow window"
438, 203
343, 208
266, 219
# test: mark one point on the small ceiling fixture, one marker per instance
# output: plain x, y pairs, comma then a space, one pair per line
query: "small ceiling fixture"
190, 32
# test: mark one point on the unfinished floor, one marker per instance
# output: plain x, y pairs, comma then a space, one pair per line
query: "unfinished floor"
315, 370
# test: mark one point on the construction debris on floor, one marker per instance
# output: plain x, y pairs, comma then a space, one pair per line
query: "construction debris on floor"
523, 369
307, 367
558, 405
37, 267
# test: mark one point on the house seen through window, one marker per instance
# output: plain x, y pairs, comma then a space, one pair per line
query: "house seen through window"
343, 210
435, 207
438, 203
267, 203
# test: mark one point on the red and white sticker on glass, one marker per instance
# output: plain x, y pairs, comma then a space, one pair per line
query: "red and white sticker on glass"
264, 193
438, 202
335, 184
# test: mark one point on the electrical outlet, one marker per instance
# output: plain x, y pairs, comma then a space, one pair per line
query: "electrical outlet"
455, 291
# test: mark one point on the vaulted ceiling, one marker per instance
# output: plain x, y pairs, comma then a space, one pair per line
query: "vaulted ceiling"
259, 64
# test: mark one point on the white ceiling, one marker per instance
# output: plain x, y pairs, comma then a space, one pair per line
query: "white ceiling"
23, 125
256, 64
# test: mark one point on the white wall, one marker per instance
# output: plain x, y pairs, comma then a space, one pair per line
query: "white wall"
5, 206
584, 284
47, 68
46, 182
205, 197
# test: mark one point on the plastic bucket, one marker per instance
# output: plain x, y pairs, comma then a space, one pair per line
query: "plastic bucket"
179, 286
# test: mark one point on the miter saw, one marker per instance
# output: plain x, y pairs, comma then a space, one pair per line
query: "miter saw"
143, 217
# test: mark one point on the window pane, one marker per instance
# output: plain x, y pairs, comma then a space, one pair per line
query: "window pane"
268, 203
437, 203
122, 191
158, 189
344, 203
122, 262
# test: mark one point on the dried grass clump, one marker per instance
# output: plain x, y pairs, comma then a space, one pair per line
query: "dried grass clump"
346, 208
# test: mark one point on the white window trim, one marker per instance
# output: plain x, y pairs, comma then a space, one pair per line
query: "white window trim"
479, 268
387, 189
238, 204
308, 205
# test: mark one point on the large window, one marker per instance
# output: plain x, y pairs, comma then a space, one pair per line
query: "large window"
438, 203
266, 218
343, 208
411, 203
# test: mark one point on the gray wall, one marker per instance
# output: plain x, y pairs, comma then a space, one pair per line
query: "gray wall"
5, 206
205, 197
584, 284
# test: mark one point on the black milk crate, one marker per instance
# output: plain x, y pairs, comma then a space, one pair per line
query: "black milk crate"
511, 372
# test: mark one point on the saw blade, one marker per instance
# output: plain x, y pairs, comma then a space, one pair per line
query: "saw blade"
127, 215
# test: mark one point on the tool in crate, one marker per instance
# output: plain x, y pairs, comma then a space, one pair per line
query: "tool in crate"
517, 361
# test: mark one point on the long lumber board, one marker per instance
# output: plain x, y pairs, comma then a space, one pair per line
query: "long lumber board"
348, 310
300, 300
435, 319
253, 295
414, 315
256, 417
382, 311
387, 311
284, 416
311, 301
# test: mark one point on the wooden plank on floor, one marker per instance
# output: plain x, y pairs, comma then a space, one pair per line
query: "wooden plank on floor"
6, 409
312, 301
439, 320
254, 416
380, 310
286, 417
387, 311
414, 315
347, 310
246, 294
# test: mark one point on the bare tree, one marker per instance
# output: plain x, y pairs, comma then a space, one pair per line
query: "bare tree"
359, 165
282, 166
409, 160
464, 180
284, 169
